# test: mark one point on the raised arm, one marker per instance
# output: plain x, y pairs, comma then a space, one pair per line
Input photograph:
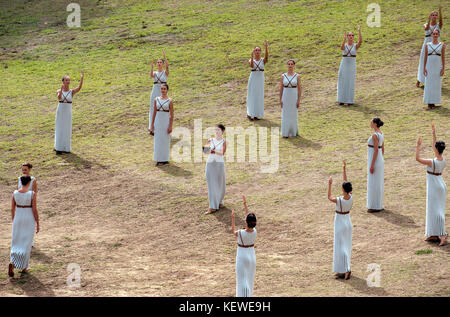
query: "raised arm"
167, 63
244, 200
59, 92
152, 74
344, 172
35, 212
433, 130
80, 85
343, 43
440, 16
266, 53
427, 25
233, 226
418, 159
250, 61
360, 38
330, 198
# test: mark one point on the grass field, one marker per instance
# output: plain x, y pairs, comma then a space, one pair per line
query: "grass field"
138, 230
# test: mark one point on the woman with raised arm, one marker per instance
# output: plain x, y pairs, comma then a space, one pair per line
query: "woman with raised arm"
245, 255
162, 121
290, 94
347, 69
255, 88
25, 220
436, 191
159, 77
215, 170
429, 27
342, 247
375, 167
63, 121
433, 69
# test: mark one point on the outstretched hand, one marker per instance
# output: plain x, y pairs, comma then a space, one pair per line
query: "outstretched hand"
330, 180
343, 162
419, 141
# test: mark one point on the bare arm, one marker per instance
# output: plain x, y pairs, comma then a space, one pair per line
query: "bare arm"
167, 63
375, 153
427, 25
250, 61
440, 16
433, 130
153, 116
13, 208
418, 159
281, 91
221, 152
425, 58
34, 188
35, 212
360, 38
299, 91
344, 172
152, 74
443, 60
59, 92
343, 43
169, 130
266, 54
244, 200
80, 85
330, 198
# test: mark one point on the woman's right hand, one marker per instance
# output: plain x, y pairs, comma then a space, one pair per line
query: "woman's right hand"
425, 73
37, 227
281, 104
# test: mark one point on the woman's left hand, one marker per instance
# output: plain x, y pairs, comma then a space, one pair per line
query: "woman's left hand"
442, 71
169, 130
372, 170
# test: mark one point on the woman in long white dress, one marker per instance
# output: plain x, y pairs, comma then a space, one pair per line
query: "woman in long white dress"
342, 246
375, 167
429, 27
25, 220
290, 94
245, 255
436, 191
63, 121
434, 68
162, 121
255, 88
347, 69
215, 170
26, 170
159, 77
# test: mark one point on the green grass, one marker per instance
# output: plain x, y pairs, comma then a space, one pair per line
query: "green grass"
207, 44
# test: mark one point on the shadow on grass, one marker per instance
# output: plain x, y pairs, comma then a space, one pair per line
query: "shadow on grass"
32, 286
440, 110
445, 91
363, 109
300, 141
396, 219
40, 256
361, 285
267, 123
224, 216
79, 162
175, 170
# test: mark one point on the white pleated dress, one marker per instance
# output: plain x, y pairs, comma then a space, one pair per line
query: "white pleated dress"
289, 111
245, 263
436, 197
342, 247
428, 39
30, 188
23, 228
162, 138
375, 181
158, 79
255, 90
433, 80
347, 75
63, 123
215, 175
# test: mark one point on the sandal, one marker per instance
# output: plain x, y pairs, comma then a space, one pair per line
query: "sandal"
210, 211
347, 275
11, 270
